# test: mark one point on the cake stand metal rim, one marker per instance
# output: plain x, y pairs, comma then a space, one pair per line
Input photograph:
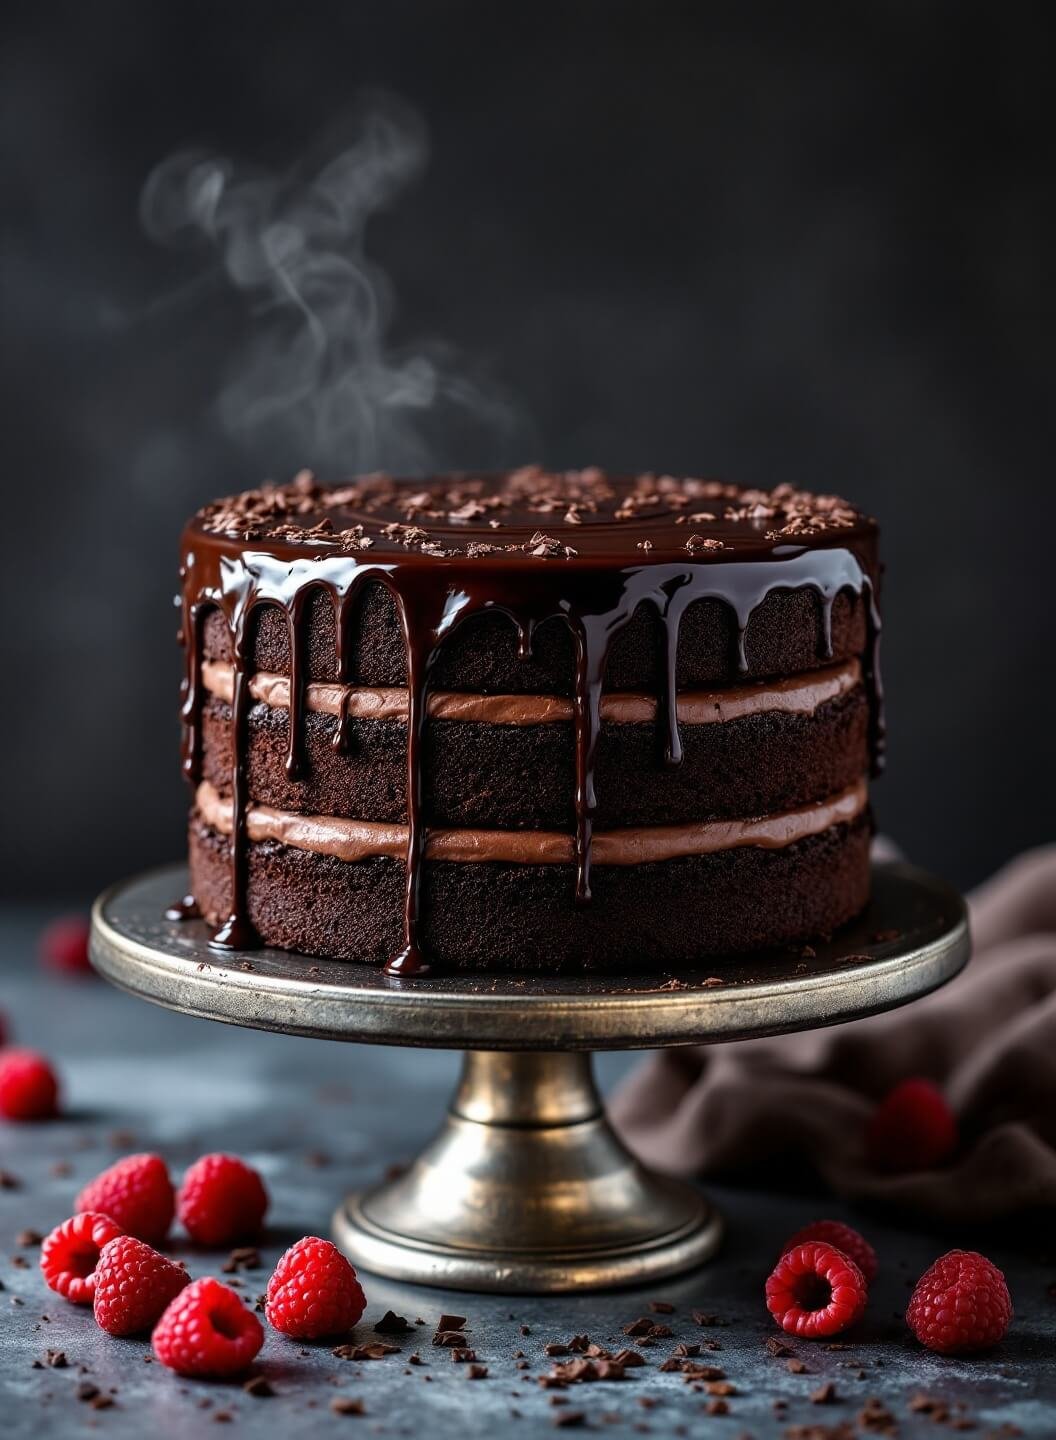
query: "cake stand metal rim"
205, 984
523, 1272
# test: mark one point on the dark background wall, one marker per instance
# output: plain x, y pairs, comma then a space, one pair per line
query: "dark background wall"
766, 241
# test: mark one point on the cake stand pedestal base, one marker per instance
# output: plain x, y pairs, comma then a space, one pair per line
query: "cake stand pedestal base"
527, 1189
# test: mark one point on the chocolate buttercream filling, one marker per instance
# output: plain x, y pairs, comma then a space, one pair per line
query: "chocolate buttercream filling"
353, 840
793, 695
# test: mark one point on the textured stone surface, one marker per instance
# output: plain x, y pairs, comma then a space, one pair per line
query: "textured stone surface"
137, 1077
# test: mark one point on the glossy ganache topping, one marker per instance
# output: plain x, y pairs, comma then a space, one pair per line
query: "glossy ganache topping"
531, 545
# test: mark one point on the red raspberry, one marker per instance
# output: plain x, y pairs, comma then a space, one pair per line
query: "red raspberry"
912, 1128
222, 1199
133, 1285
961, 1304
137, 1193
70, 1254
207, 1331
28, 1088
64, 945
815, 1291
314, 1292
841, 1237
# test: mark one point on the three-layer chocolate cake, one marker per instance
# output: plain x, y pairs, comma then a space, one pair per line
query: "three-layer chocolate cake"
529, 722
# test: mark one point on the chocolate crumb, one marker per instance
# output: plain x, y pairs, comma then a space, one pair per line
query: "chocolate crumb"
717, 1407
661, 1307
825, 1394
243, 1257
450, 1337
628, 1359
9, 1181
777, 1346
374, 1351
795, 1366
876, 1418
569, 1419
259, 1387
28, 1238
463, 1357
476, 1372
391, 1324
87, 1391
451, 1322
345, 1405
56, 1359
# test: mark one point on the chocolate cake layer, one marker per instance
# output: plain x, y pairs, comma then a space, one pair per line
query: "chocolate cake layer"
486, 916
784, 637
517, 776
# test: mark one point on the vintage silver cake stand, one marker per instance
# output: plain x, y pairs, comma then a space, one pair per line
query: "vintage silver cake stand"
526, 1188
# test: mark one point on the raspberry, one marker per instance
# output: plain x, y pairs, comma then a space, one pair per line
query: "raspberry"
841, 1237
28, 1088
314, 1291
912, 1128
64, 945
222, 1199
70, 1254
815, 1291
207, 1331
961, 1304
133, 1285
137, 1193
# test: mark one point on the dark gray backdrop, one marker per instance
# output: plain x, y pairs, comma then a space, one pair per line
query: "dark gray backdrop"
767, 241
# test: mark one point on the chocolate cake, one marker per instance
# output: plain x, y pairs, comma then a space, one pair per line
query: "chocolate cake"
535, 721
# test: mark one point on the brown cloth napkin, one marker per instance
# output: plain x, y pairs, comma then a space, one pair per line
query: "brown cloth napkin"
988, 1038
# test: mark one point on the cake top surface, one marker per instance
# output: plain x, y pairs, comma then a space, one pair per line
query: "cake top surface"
534, 513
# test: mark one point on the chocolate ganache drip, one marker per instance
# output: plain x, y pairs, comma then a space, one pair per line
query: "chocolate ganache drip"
456, 547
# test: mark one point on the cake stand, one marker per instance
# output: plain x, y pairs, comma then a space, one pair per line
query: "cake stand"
526, 1189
